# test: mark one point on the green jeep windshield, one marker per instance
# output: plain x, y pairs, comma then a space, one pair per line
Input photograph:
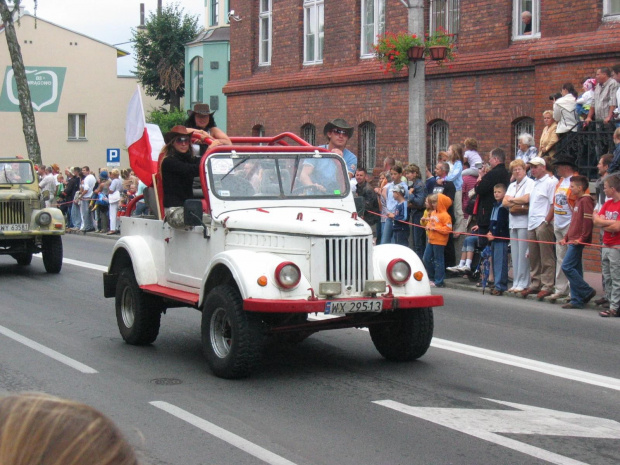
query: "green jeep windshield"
16, 172
243, 176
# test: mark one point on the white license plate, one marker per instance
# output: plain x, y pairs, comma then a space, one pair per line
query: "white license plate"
14, 227
340, 307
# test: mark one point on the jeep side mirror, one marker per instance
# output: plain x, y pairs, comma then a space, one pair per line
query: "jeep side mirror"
192, 212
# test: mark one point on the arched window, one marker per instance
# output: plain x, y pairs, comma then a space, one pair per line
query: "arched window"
196, 81
524, 125
308, 133
367, 153
258, 131
439, 132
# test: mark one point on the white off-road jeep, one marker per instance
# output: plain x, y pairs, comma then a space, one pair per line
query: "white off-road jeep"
267, 253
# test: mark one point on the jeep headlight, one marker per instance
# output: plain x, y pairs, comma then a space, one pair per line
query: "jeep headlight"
398, 271
287, 275
44, 219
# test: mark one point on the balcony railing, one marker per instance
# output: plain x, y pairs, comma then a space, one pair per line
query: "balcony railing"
587, 145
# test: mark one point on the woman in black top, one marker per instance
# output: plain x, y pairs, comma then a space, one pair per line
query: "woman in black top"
178, 167
201, 119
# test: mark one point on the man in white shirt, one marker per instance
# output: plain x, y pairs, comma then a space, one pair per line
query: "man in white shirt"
86, 192
48, 183
539, 228
563, 204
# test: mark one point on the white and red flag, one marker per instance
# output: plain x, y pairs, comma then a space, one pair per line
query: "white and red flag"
144, 141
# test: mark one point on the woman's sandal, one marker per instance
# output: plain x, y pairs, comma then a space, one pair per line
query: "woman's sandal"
497, 292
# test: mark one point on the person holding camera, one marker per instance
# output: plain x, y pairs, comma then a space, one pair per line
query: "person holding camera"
564, 110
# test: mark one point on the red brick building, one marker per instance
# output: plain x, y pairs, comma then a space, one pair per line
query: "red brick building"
285, 75
297, 64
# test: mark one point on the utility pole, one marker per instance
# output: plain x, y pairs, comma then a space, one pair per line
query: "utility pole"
417, 118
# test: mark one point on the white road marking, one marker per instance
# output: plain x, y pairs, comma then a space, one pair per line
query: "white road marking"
528, 364
224, 435
515, 361
483, 424
70, 261
47, 351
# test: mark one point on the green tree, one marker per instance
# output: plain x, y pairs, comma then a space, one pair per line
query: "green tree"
7, 12
160, 53
166, 120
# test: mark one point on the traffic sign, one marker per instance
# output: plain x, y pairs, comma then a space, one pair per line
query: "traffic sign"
113, 157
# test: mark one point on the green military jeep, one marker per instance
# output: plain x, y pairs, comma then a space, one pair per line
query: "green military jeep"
26, 225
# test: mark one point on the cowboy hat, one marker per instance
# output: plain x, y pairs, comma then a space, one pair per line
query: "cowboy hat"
201, 109
175, 132
338, 123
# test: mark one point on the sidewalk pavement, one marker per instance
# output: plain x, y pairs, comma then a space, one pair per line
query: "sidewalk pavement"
454, 281
95, 234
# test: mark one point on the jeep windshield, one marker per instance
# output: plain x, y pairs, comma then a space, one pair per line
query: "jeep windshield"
16, 172
243, 176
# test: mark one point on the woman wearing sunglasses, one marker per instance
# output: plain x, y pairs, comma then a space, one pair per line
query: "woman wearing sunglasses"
178, 167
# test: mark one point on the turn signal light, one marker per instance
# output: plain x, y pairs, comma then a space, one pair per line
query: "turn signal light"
262, 281
418, 275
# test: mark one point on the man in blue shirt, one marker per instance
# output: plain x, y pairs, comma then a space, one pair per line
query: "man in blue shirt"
338, 133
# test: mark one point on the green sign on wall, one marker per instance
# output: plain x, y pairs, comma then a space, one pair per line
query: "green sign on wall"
45, 83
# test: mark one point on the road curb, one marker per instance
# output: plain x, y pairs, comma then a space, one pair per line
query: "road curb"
452, 283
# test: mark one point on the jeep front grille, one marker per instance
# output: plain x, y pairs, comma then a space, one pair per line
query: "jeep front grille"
13, 212
346, 261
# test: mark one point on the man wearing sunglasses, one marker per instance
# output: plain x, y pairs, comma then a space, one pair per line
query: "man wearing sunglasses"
322, 173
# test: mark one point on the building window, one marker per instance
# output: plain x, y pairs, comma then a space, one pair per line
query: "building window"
313, 31
367, 146
373, 24
611, 7
77, 126
196, 80
526, 19
214, 12
264, 26
308, 133
258, 131
439, 140
444, 15
523, 126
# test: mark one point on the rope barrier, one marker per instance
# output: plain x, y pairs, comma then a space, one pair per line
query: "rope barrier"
600, 246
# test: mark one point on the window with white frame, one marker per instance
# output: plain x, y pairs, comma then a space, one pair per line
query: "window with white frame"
373, 24
214, 12
264, 33
439, 132
367, 146
77, 126
526, 19
195, 73
611, 7
445, 15
523, 126
308, 133
313, 31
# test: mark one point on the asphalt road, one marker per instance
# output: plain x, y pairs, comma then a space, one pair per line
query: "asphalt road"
332, 399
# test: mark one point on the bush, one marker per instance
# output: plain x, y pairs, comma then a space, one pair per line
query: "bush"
165, 119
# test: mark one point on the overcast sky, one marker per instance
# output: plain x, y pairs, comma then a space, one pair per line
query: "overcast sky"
109, 21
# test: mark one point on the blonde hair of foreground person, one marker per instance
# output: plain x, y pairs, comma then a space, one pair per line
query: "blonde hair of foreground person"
38, 429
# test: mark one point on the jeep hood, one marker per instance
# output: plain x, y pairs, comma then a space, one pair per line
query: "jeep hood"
306, 221
18, 194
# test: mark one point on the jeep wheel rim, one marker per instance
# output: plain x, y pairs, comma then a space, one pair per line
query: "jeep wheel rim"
220, 333
127, 310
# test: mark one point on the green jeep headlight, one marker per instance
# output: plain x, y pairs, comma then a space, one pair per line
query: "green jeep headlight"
44, 219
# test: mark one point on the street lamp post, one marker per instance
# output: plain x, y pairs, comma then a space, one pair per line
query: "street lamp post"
417, 120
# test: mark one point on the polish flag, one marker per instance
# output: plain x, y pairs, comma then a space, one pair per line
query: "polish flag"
144, 141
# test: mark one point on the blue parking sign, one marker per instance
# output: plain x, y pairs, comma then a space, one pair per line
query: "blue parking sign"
113, 157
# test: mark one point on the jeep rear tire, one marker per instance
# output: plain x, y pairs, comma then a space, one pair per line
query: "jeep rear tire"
232, 339
23, 259
52, 253
138, 314
406, 339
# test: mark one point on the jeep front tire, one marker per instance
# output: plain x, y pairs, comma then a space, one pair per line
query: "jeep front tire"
232, 339
52, 253
407, 338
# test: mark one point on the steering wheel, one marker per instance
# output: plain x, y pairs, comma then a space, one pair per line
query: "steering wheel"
310, 188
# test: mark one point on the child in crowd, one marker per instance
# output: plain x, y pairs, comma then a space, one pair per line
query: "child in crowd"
439, 228
400, 230
579, 233
585, 100
499, 235
608, 219
467, 254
